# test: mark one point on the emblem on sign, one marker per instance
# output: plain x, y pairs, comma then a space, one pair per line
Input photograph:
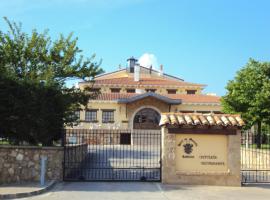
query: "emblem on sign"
188, 144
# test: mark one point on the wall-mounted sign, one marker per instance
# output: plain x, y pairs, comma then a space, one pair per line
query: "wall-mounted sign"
201, 153
188, 144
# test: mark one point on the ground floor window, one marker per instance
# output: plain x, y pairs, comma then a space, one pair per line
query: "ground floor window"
91, 115
107, 116
125, 138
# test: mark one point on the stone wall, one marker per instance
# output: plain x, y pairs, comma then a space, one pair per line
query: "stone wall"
171, 176
18, 163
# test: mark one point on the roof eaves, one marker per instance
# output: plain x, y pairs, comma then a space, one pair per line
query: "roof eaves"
150, 94
201, 103
104, 74
154, 70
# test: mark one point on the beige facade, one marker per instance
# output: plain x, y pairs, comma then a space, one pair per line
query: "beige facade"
126, 92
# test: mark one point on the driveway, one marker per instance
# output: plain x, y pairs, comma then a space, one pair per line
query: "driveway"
117, 162
151, 191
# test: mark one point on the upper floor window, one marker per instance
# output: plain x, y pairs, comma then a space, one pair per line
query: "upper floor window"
94, 89
186, 111
171, 91
191, 91
115, 90
107, 116
130, 90
150, 90
217, 112
91, 115
203, 111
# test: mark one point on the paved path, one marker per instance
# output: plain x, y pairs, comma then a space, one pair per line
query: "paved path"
118, 162
151, 191
21, 188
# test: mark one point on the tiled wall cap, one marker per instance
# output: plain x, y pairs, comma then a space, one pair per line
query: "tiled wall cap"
195, 119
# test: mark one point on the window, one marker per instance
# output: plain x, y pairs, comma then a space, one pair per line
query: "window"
218, 112
115, 90
146, 118
94, 89
203, 112
125, 138
150, 90
191, 91
171, 91
130, 90
108, 116
186, 111
91, 115
77, 114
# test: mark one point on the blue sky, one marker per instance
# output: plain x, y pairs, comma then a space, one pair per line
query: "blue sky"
202, 41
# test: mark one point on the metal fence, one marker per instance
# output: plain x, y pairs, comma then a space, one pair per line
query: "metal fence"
112, 155
255, 156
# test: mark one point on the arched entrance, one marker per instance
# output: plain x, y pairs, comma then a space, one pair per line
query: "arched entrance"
146, 118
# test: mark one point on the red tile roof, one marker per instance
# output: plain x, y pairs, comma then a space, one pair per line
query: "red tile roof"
113, 96
195, 98
186, 98
143, 81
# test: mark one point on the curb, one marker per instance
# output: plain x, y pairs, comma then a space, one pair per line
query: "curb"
28, 194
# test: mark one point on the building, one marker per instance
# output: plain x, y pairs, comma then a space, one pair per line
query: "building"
134, 98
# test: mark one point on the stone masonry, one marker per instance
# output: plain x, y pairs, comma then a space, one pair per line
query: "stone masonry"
18, 164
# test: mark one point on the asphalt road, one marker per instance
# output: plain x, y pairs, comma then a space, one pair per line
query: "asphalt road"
151, 191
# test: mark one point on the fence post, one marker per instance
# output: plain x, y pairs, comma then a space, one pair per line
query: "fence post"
247, 139
64, 156
43, 170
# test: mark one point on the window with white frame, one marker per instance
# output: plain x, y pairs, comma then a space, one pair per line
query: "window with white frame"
91, 115
107, 116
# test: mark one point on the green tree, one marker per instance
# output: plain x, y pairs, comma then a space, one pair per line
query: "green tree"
37, 57
35, 103
249, 95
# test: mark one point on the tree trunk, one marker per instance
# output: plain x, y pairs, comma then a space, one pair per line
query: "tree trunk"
259, 135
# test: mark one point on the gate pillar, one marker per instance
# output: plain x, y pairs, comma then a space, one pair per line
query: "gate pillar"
201, 149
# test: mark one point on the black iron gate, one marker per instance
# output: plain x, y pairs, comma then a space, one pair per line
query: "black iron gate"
112, 155
255, 157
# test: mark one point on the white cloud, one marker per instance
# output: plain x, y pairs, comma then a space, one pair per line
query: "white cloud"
148, 59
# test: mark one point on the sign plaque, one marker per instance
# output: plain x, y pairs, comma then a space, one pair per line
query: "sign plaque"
201, 153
